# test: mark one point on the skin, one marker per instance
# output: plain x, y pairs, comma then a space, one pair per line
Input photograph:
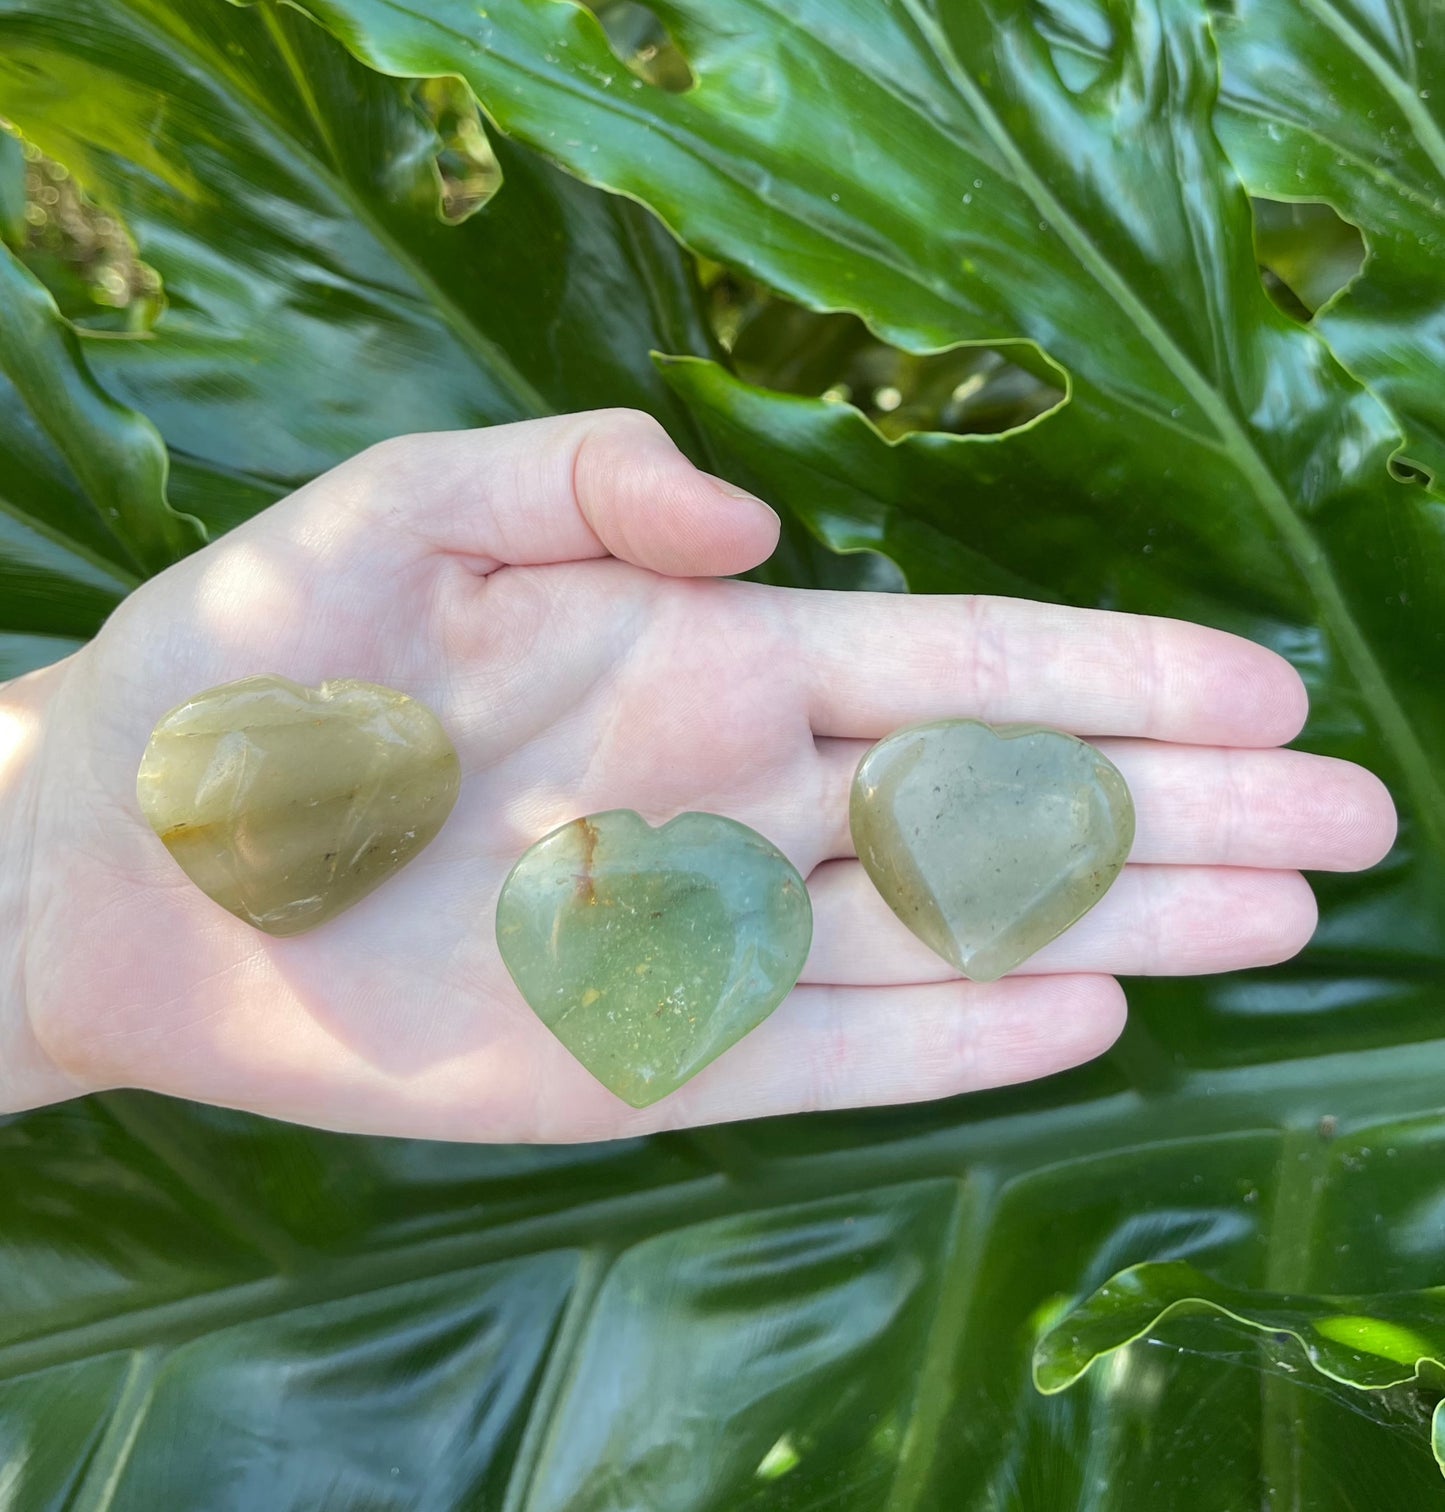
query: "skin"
550, 590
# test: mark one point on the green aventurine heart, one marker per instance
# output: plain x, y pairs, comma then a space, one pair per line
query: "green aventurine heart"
986, 842
648, 952
287, 804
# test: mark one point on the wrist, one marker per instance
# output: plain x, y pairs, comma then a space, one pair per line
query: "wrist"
28, 1077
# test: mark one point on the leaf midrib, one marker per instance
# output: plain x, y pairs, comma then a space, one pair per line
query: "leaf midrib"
970, 1233
1305, 552
1299, 1190
97, 1489
557, 1375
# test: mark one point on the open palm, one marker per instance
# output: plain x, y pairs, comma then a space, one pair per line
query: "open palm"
551, 590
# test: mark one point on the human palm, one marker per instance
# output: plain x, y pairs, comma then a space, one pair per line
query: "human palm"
550, 590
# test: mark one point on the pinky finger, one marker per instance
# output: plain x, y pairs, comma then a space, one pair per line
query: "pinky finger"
850, 1047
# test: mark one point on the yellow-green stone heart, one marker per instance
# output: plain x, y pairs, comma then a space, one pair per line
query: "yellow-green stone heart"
987, 842
648, 952
287, 804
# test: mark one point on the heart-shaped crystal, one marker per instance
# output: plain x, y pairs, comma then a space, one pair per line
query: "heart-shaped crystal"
648, 952
287, 804
987, 842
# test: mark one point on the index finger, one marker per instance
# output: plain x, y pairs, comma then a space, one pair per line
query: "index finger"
874, 661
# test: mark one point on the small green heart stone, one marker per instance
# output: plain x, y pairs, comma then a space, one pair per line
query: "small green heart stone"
988, 843
288, 804
648, 952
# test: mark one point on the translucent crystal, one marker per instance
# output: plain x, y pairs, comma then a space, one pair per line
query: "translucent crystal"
288, 804
648, 952
988, 843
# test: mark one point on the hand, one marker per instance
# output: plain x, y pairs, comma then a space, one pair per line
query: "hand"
549, 590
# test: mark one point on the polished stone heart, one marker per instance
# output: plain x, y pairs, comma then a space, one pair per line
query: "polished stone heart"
648, 952
986, 842
287, 804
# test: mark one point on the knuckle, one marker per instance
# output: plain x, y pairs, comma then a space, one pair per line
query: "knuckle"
1172, 925
832, 1060
948, 1050
1235, 802
1146, 665
392, 453
597, 436
988, 652
623, 417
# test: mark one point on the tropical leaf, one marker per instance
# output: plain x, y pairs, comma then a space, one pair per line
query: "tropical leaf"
1344, 101
1332, 101
203, 1309
317, 299
117, 456
83, 514
1370, 1343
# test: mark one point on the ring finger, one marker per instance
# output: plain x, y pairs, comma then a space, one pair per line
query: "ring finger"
1205, 806
1154, 921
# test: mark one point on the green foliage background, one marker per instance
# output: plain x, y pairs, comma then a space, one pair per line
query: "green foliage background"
1031, 219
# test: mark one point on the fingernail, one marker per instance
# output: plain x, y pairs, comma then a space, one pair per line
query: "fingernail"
733, 491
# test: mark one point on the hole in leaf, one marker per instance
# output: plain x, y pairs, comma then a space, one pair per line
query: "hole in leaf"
76, 248
644, 45
1307, 253
780, 345
466, 165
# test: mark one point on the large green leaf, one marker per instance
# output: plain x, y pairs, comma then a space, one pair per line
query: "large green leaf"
317, 300
203, 1309
82, 495
836, 1315
1332, 100
1344, 101
117, 456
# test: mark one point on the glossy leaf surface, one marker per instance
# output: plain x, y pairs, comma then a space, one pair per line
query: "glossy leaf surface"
199, 1308
1344, 101
1373, 1342
68, 555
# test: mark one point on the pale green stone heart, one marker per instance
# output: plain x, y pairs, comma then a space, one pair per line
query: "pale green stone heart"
287, 804
987, 842
648, 952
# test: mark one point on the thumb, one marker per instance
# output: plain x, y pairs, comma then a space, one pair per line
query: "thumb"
561, 489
